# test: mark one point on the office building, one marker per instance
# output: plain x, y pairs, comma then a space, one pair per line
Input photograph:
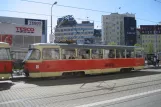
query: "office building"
68, 30
119, 28
151, 38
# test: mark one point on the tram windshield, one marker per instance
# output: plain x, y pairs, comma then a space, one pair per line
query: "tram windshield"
33, 54
5, 54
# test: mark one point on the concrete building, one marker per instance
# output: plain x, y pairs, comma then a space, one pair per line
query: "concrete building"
69, 30
97, 36
151, 37
20, 32
119, 28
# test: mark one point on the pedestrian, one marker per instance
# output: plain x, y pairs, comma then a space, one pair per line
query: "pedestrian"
155, 61
158, 61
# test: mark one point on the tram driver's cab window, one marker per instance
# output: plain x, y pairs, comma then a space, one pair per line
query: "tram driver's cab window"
4, 54
68, 54
84, 53
33, 54
50, 54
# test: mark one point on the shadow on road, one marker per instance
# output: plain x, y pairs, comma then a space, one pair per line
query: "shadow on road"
152, 67
5, 85
86, 79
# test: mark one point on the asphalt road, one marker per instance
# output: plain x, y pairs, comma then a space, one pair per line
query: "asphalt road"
134, 89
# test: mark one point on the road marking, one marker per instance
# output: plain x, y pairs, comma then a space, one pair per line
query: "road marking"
119, 99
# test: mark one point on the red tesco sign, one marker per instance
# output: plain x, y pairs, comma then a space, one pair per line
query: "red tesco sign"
25, 29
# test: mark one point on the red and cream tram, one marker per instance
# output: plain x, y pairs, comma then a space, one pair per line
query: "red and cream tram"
5, 61
47, 60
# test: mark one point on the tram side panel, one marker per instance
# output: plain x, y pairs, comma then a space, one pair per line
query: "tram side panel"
49, 68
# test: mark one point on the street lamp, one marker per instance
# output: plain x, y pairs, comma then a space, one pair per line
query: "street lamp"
51, 16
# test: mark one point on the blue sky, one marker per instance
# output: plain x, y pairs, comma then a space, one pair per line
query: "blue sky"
144, 9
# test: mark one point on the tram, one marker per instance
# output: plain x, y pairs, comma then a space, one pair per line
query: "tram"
48, 60
5, 61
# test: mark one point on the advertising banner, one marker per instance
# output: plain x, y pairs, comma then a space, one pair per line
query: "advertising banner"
14, 29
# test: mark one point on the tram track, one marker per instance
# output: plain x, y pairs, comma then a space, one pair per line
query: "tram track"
105, 90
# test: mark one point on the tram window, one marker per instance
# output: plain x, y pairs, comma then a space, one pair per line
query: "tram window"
50, 54
139, 54
111, 53
130, 54
83, 53
122, 53
68, 53
106, 53
97, 54
4, 54
118, 54
33, 54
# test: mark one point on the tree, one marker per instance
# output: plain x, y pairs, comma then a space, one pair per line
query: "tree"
150, 48
137, 45
112, 43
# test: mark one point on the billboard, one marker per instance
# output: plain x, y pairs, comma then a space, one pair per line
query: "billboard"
15, 29
130, 31
42, 24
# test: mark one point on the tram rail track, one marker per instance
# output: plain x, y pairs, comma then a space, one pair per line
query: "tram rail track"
106, 90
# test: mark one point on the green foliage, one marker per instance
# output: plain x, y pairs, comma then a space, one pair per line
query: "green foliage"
112, 43
137, 45
150, 48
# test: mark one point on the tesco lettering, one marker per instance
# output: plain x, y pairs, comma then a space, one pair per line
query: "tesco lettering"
25, 29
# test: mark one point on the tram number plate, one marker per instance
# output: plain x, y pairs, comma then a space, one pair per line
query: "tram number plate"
109, 65
37, 66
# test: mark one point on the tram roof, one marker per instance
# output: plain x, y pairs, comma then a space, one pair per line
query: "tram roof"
84, 45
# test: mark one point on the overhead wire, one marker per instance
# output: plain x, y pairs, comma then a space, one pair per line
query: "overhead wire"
32, 1
42, 14
66, 6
